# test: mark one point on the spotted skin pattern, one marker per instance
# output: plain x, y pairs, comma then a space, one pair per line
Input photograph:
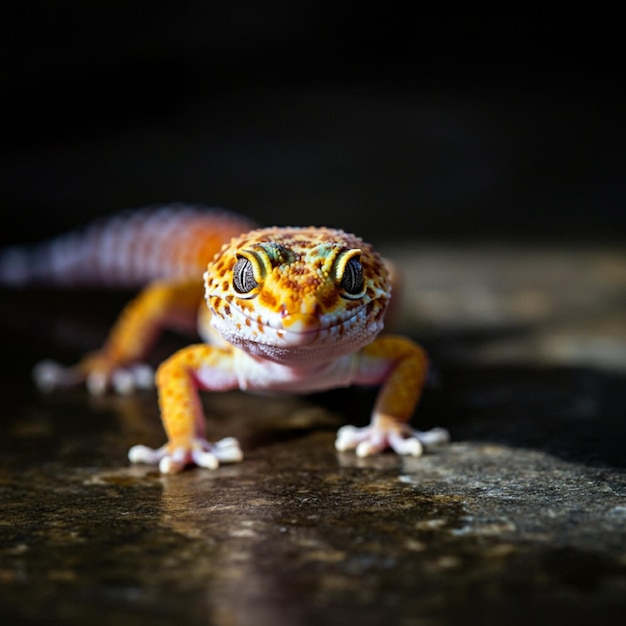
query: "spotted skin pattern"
288, 310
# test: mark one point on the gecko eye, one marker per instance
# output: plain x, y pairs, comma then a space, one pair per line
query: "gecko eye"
352, 279
243, 276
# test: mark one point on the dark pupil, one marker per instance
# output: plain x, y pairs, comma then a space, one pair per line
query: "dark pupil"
243, 276
352, 280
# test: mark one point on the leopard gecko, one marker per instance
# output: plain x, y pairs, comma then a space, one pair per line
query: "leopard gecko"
285, 309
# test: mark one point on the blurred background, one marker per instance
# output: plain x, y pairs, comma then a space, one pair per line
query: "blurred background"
440, 121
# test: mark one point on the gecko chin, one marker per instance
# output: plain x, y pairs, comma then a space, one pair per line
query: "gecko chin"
293, 353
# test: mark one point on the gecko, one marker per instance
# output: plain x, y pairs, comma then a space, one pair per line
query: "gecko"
278, 309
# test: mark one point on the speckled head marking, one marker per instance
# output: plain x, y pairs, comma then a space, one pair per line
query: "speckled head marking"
297, 294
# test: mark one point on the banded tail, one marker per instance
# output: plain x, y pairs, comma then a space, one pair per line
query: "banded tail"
129, 250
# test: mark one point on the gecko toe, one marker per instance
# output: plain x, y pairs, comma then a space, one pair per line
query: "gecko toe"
144, 454
50, 375
406, 446
126, 381
228, 450
208, 460
349, 437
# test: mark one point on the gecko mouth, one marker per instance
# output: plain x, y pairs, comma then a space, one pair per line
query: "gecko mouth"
286, 329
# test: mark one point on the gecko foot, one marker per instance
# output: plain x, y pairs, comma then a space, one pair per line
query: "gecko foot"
402, 439
50, 375
172, 459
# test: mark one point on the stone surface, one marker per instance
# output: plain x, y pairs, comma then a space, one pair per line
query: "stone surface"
521, 519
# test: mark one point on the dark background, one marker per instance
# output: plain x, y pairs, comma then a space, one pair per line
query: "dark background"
445, 122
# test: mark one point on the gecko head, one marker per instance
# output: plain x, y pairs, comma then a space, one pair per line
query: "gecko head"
297, 294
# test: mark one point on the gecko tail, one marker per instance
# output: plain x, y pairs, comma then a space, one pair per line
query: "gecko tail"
127, 250
59, 261
14, 267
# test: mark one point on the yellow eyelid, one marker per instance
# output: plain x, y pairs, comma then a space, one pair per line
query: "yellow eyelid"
261, 263
343, 259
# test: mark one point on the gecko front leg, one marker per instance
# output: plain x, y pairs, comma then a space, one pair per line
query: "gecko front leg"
401, 366
178, 380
